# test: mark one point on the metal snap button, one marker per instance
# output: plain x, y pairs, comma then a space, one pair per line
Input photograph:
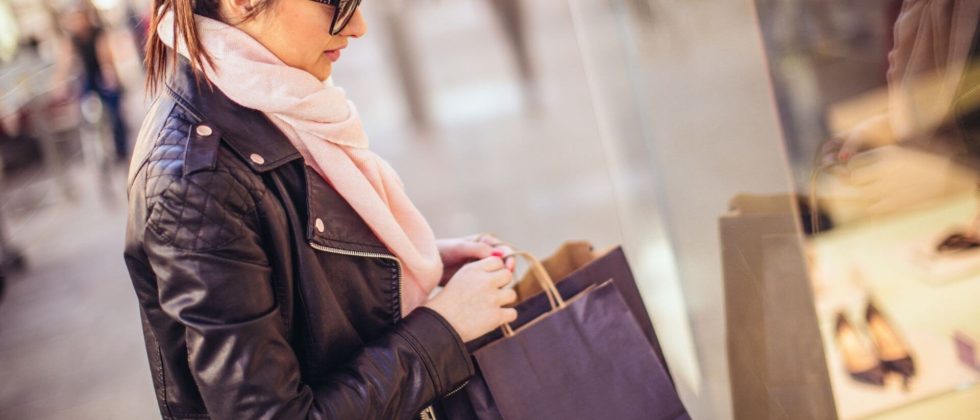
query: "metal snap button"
257, 158
319, 225
204, 131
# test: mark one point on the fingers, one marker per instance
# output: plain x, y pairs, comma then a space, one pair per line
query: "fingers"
850, 147
509, 261
506, 296
500, 278
864, 159
490, 264
492, 241
508, 315
474, 250
487, 238
497, 248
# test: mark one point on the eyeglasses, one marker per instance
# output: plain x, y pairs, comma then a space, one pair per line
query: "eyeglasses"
343, 11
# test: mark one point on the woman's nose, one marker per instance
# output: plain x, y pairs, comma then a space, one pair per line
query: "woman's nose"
357, 26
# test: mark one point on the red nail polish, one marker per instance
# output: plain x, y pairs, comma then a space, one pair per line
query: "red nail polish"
497, 253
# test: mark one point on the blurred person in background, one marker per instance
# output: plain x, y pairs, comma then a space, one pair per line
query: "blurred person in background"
927, 144
280, 267
18, 144
88, 44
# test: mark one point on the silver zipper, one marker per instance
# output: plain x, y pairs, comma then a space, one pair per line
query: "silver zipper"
401, 287
458, 388
428, 413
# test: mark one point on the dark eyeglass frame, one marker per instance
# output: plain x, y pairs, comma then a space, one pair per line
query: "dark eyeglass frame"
343, 12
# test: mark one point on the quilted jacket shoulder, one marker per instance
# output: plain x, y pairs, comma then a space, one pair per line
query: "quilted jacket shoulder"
201, 209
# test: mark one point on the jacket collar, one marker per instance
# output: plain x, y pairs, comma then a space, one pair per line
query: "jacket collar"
331, 221
247, 131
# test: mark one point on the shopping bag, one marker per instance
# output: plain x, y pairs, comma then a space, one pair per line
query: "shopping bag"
775, 354
579, 267
576, 266
585, 358
570, 256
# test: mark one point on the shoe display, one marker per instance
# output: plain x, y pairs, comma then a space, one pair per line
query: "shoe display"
860, 359
958, 242
892, 350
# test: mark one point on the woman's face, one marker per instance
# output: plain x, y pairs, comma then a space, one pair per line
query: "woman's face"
298, 32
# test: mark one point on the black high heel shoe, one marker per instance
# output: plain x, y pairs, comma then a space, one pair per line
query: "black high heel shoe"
958, 242
892, 350
860, 360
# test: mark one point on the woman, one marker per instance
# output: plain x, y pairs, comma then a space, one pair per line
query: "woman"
926, 144
281, 270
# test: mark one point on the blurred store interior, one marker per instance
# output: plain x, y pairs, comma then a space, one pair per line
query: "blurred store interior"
670, 127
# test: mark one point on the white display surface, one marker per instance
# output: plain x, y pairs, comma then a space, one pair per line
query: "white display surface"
926, 297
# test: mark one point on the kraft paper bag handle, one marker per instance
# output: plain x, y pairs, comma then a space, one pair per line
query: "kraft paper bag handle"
570, 256
548, 285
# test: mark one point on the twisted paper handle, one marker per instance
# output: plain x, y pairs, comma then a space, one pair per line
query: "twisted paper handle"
548, 285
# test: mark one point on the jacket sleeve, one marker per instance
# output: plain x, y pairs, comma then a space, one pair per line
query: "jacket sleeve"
213, 277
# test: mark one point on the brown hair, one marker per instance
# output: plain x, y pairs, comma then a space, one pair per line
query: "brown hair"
159, 56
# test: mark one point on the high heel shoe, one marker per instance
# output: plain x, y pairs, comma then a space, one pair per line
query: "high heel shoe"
860, 360
892, 350
958, 242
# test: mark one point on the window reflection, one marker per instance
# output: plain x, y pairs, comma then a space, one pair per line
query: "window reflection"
881, 119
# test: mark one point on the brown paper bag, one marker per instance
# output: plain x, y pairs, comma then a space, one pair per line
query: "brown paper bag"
775, 353
569, 257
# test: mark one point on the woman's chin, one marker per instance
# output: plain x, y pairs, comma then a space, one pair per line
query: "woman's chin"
322, 73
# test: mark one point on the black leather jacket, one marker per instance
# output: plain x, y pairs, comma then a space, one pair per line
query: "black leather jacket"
263, 295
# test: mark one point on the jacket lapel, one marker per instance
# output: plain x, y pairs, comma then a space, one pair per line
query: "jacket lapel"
330, 221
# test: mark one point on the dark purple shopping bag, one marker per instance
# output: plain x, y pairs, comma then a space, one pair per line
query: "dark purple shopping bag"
576, 362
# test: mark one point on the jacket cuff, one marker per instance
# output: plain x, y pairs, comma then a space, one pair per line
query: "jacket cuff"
440, 347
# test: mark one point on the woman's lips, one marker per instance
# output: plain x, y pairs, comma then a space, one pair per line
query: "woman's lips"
333, 55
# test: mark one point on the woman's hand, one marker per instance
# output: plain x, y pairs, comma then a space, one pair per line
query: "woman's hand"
457, 252
896, 178
472, 302
872, 133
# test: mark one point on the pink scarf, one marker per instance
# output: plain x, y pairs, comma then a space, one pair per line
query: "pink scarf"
326, 128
